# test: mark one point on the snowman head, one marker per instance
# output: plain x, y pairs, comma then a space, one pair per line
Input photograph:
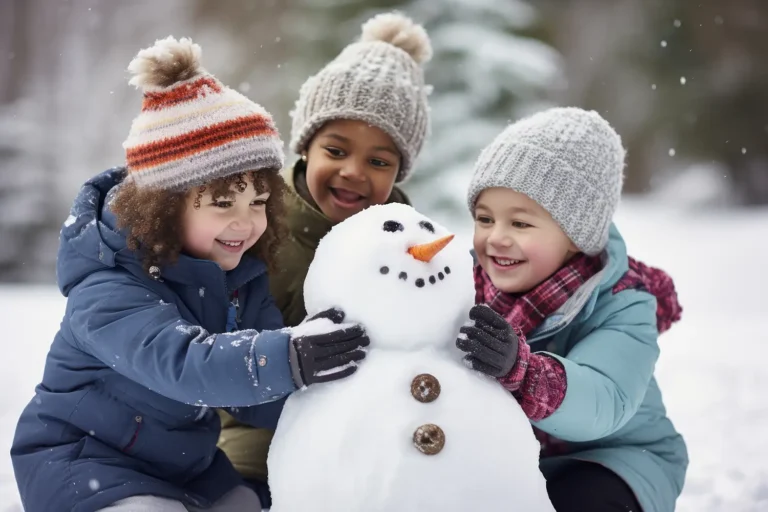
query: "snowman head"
397, 273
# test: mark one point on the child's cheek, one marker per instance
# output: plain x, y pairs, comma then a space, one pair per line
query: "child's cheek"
198, 237
541, 255
260, 228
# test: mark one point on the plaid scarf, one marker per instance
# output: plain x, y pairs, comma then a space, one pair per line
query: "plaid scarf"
659, 284
528, 310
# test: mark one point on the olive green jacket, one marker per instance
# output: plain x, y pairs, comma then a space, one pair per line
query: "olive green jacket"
246, 446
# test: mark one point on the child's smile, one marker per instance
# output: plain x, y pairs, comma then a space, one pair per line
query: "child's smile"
347, 199
505, 264
232, 245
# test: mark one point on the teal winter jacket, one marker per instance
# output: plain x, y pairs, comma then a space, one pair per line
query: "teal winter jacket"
612, 413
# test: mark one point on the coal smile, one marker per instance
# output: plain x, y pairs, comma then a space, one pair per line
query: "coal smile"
419, 282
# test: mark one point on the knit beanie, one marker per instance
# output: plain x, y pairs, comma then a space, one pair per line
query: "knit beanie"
378, 80
569, 161
192, 129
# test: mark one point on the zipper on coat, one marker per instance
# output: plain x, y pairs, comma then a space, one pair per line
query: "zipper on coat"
236, 303
139, 420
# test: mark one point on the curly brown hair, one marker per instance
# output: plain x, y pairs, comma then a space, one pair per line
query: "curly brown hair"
153, 217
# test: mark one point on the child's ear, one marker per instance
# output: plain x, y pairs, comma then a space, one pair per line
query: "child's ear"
572, 251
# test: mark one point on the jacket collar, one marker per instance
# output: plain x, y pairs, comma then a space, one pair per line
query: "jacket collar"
583, 301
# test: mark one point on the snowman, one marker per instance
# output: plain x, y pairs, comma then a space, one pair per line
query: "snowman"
413, 429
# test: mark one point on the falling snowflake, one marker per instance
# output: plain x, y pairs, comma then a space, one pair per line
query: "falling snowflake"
663, 44
672, 152
94, 484
653, 86
743, 151
678, 23
682, 80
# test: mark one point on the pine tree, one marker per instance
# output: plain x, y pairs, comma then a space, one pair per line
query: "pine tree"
488, 70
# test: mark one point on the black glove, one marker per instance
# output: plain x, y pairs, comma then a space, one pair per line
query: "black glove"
491, 344
315, 353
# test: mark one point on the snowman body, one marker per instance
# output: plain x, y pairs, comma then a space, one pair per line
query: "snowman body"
413, 429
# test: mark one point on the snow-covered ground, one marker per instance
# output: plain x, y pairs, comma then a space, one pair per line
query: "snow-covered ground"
712, 366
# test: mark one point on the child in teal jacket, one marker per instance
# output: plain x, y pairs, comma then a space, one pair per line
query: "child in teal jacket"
566, 320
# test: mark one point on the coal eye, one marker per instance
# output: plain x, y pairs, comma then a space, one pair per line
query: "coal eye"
427, 225
393, 226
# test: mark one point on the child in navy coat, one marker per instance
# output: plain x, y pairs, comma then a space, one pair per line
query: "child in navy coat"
164, 265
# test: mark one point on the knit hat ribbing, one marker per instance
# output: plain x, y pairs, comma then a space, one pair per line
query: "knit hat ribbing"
193, 129
569, 161
378, 80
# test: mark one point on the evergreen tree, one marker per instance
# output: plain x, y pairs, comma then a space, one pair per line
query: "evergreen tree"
488, 70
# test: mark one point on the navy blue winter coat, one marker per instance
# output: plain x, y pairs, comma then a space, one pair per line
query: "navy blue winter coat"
123, 407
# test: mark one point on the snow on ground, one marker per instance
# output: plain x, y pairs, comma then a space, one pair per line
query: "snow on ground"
711, 369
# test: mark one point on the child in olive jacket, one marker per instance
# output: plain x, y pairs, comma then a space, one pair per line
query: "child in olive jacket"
358, 126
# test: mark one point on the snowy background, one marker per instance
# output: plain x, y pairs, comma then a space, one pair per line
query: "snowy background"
684, 82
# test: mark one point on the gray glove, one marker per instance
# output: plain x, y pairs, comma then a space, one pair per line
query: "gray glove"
491, 344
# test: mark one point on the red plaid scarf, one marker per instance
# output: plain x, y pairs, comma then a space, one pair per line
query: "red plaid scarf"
658, 283
528, 310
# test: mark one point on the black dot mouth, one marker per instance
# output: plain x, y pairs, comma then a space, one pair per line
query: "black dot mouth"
420, 282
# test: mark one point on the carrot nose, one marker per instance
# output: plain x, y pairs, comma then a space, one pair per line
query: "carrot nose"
425, 252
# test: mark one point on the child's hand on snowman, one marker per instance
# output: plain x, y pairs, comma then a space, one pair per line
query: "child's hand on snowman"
491, 344
323, 351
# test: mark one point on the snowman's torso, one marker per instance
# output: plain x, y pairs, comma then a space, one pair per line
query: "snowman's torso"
350, 445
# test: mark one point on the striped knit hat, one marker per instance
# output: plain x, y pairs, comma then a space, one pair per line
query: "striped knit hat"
192, 129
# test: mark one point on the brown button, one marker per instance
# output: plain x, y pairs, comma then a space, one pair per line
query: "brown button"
429, 439
425, 388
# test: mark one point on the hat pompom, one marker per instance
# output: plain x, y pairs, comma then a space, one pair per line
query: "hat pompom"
400, 31
167, 62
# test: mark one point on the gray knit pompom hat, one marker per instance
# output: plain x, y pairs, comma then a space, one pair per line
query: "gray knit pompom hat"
379, 80
568, 160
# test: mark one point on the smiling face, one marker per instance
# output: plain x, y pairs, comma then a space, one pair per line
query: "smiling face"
350, 165
517, 242
221, 225
398, 274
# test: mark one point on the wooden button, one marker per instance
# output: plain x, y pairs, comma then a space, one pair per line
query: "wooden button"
425, 388
429, 439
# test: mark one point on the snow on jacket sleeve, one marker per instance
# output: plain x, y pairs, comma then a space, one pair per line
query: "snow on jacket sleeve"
608, 371
126, 326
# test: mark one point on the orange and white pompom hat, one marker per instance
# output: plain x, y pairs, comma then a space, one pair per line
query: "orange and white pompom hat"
193, 129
